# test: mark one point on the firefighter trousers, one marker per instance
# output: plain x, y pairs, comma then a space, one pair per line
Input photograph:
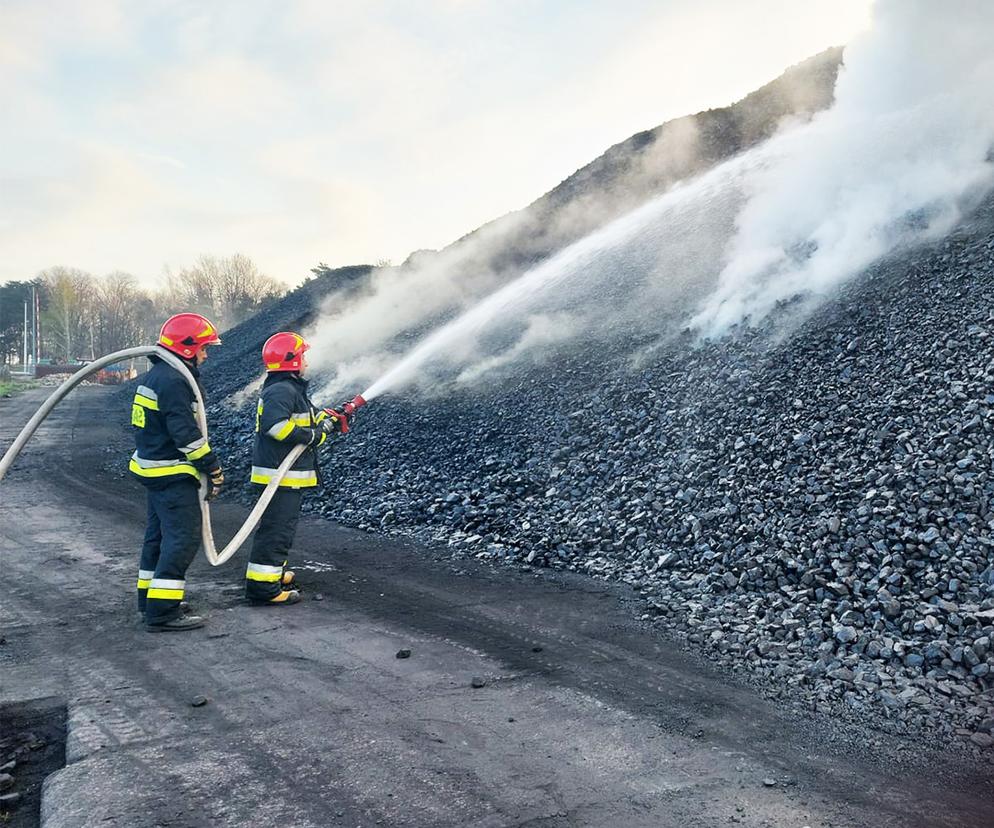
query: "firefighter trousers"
271, 545
172, 538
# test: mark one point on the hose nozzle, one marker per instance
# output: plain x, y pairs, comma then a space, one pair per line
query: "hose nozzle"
358, 401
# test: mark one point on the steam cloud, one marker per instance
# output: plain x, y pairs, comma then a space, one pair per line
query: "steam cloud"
899, 156
903, 152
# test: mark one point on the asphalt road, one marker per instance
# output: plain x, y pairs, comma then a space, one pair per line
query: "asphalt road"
585, 719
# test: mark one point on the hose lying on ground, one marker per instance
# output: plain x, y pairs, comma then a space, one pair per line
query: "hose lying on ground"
213, 556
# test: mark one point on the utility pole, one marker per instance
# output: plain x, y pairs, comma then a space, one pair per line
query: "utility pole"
24, 338
36, 338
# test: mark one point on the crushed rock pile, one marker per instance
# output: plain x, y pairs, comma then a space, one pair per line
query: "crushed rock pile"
815, 506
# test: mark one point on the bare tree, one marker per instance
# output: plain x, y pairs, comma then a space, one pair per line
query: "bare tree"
123, 314
226, 289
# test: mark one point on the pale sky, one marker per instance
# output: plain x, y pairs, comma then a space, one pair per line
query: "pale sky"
139, 135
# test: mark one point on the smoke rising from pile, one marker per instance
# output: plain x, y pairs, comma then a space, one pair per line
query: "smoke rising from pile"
903, 152
575, 292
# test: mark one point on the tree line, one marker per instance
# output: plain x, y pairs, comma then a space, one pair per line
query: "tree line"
84, 316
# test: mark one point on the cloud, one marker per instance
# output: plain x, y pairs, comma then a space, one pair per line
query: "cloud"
208, 102
33, 34
418, 123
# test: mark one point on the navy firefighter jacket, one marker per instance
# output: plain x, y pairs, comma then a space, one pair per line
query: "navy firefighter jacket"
285, 418
168, 442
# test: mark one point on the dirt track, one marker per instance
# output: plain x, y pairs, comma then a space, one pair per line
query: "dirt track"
585, 719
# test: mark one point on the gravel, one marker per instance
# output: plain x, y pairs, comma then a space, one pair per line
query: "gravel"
810, 503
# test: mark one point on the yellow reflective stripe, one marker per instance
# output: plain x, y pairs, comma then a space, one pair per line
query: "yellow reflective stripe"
144, 582
196, 454
302, 421
163, 471
165, 594
286, 482
281, 430
146, 402
265, 574
166, 589
323, 438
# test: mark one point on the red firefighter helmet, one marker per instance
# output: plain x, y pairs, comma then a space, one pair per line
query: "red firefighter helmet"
186, 333
284, 351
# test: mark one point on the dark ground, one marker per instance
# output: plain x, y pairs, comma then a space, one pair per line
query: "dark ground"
32, 746
585, 718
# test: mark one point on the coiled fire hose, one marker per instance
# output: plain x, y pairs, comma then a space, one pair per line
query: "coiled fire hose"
213, 556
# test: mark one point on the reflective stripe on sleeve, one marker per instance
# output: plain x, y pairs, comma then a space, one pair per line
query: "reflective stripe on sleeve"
196, 449
146, 402
281, 430
166, 589
200, 452
261, 572
302, 418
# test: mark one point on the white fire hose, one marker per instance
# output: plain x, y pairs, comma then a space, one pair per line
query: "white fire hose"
216, 558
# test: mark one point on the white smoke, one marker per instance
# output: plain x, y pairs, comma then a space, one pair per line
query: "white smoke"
542, 331
630, 256
904, 150
902, 153
348, 332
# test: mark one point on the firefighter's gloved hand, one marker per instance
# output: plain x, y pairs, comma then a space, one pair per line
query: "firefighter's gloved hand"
335, 423
215, 485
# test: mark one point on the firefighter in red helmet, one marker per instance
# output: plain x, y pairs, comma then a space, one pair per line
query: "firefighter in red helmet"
285, 417
171, 455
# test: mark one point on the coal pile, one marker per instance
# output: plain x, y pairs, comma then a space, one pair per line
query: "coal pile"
237, 362
814, 507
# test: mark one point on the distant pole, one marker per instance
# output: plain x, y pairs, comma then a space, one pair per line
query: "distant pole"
37, 323
36, 339
24, 338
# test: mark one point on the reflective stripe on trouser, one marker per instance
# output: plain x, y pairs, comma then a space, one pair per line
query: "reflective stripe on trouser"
172, 539
144, 578
169, 589
262, 572
293, 479
271, 545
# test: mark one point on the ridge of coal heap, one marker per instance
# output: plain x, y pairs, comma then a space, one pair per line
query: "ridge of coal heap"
814, 507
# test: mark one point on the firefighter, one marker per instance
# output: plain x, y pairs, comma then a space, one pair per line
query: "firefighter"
170, 457
285, 417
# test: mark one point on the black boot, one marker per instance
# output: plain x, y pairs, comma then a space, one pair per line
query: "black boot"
184, 622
